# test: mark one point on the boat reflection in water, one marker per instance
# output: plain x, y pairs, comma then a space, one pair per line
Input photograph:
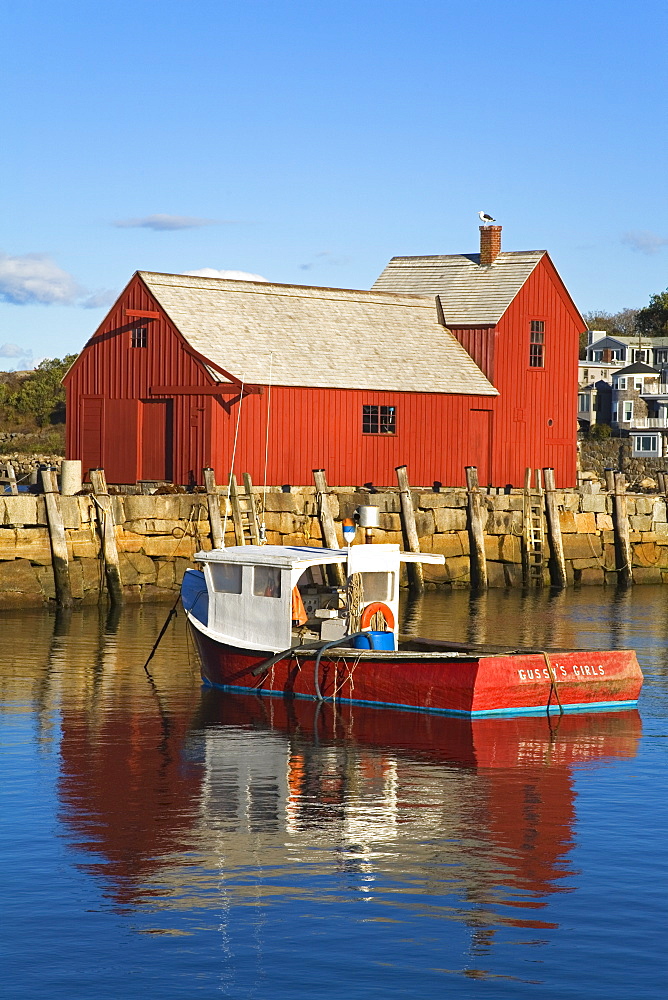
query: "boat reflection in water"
493, 797
471, 818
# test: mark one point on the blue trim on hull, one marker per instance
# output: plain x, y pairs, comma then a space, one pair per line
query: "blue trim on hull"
596, 706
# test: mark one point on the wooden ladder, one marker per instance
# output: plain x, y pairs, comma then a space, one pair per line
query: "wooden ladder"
9, 479
244, 512
534, 531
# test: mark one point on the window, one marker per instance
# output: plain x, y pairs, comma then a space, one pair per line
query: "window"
661, 357
140, 336
614, 414
604, 373
267, 581
537, 344
647, 444
379, 420
226, 578
585, 374
621, 383
598, 355
594, 402
638, 385
583, 402
628, 411
377, 587
639, 355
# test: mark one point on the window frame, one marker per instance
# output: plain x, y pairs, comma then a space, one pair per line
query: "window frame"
139, 337
627, 408
638, 451
536, 344
379, 420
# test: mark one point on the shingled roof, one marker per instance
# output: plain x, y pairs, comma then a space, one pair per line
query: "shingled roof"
319, 337
470, 295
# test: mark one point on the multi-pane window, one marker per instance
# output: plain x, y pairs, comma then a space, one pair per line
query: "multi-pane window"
583, 402
537, 344
379, 420
628, 411
140, 336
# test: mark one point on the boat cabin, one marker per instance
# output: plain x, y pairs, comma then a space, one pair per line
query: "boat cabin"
259, 594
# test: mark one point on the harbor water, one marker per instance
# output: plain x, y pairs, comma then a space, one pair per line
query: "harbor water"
161, 840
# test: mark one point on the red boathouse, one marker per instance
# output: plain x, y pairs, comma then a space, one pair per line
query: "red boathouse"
447, 362
355, 382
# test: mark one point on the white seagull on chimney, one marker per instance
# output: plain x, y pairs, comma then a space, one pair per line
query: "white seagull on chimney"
486, 218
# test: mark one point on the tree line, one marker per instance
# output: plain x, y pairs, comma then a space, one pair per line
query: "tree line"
38, 398
652, 321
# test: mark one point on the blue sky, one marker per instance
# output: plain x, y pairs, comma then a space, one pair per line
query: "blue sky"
309, 142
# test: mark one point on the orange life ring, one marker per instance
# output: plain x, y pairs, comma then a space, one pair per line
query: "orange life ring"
371, 609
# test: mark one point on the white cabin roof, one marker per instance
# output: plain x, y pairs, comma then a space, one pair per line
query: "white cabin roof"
302, 556
283, 556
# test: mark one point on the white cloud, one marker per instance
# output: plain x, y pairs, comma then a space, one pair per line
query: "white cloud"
161, 222
211, 272
102, 299
33, 278
13, 351
21, 357
644, 241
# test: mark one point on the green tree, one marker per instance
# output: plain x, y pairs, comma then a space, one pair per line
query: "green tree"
41, 395
652, 321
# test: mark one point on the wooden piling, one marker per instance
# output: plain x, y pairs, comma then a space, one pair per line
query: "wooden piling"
620, 524
105, 517
327, 523
59, 557
557, 560
213, 505
476, 530
415, 571
609, 480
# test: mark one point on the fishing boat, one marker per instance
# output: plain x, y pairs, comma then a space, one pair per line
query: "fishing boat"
275, 620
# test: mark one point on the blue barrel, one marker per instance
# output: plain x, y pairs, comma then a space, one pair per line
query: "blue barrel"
374, 640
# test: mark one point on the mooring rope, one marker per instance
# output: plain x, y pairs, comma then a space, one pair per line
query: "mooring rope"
234, 454
553, 686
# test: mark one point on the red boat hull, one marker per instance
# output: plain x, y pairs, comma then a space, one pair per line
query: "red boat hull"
513, 683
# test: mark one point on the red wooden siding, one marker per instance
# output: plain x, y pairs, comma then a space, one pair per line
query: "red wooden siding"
535, 419
111, 368
478, 341
322, 428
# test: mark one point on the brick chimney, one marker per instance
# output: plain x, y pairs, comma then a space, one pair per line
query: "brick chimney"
490, 244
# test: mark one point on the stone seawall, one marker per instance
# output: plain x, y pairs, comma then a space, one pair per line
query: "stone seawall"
156, 536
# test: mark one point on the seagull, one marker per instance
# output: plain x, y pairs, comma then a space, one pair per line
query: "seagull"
486, 218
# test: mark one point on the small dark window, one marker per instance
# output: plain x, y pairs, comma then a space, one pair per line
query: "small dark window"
140, 336
537, 344
379, 420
